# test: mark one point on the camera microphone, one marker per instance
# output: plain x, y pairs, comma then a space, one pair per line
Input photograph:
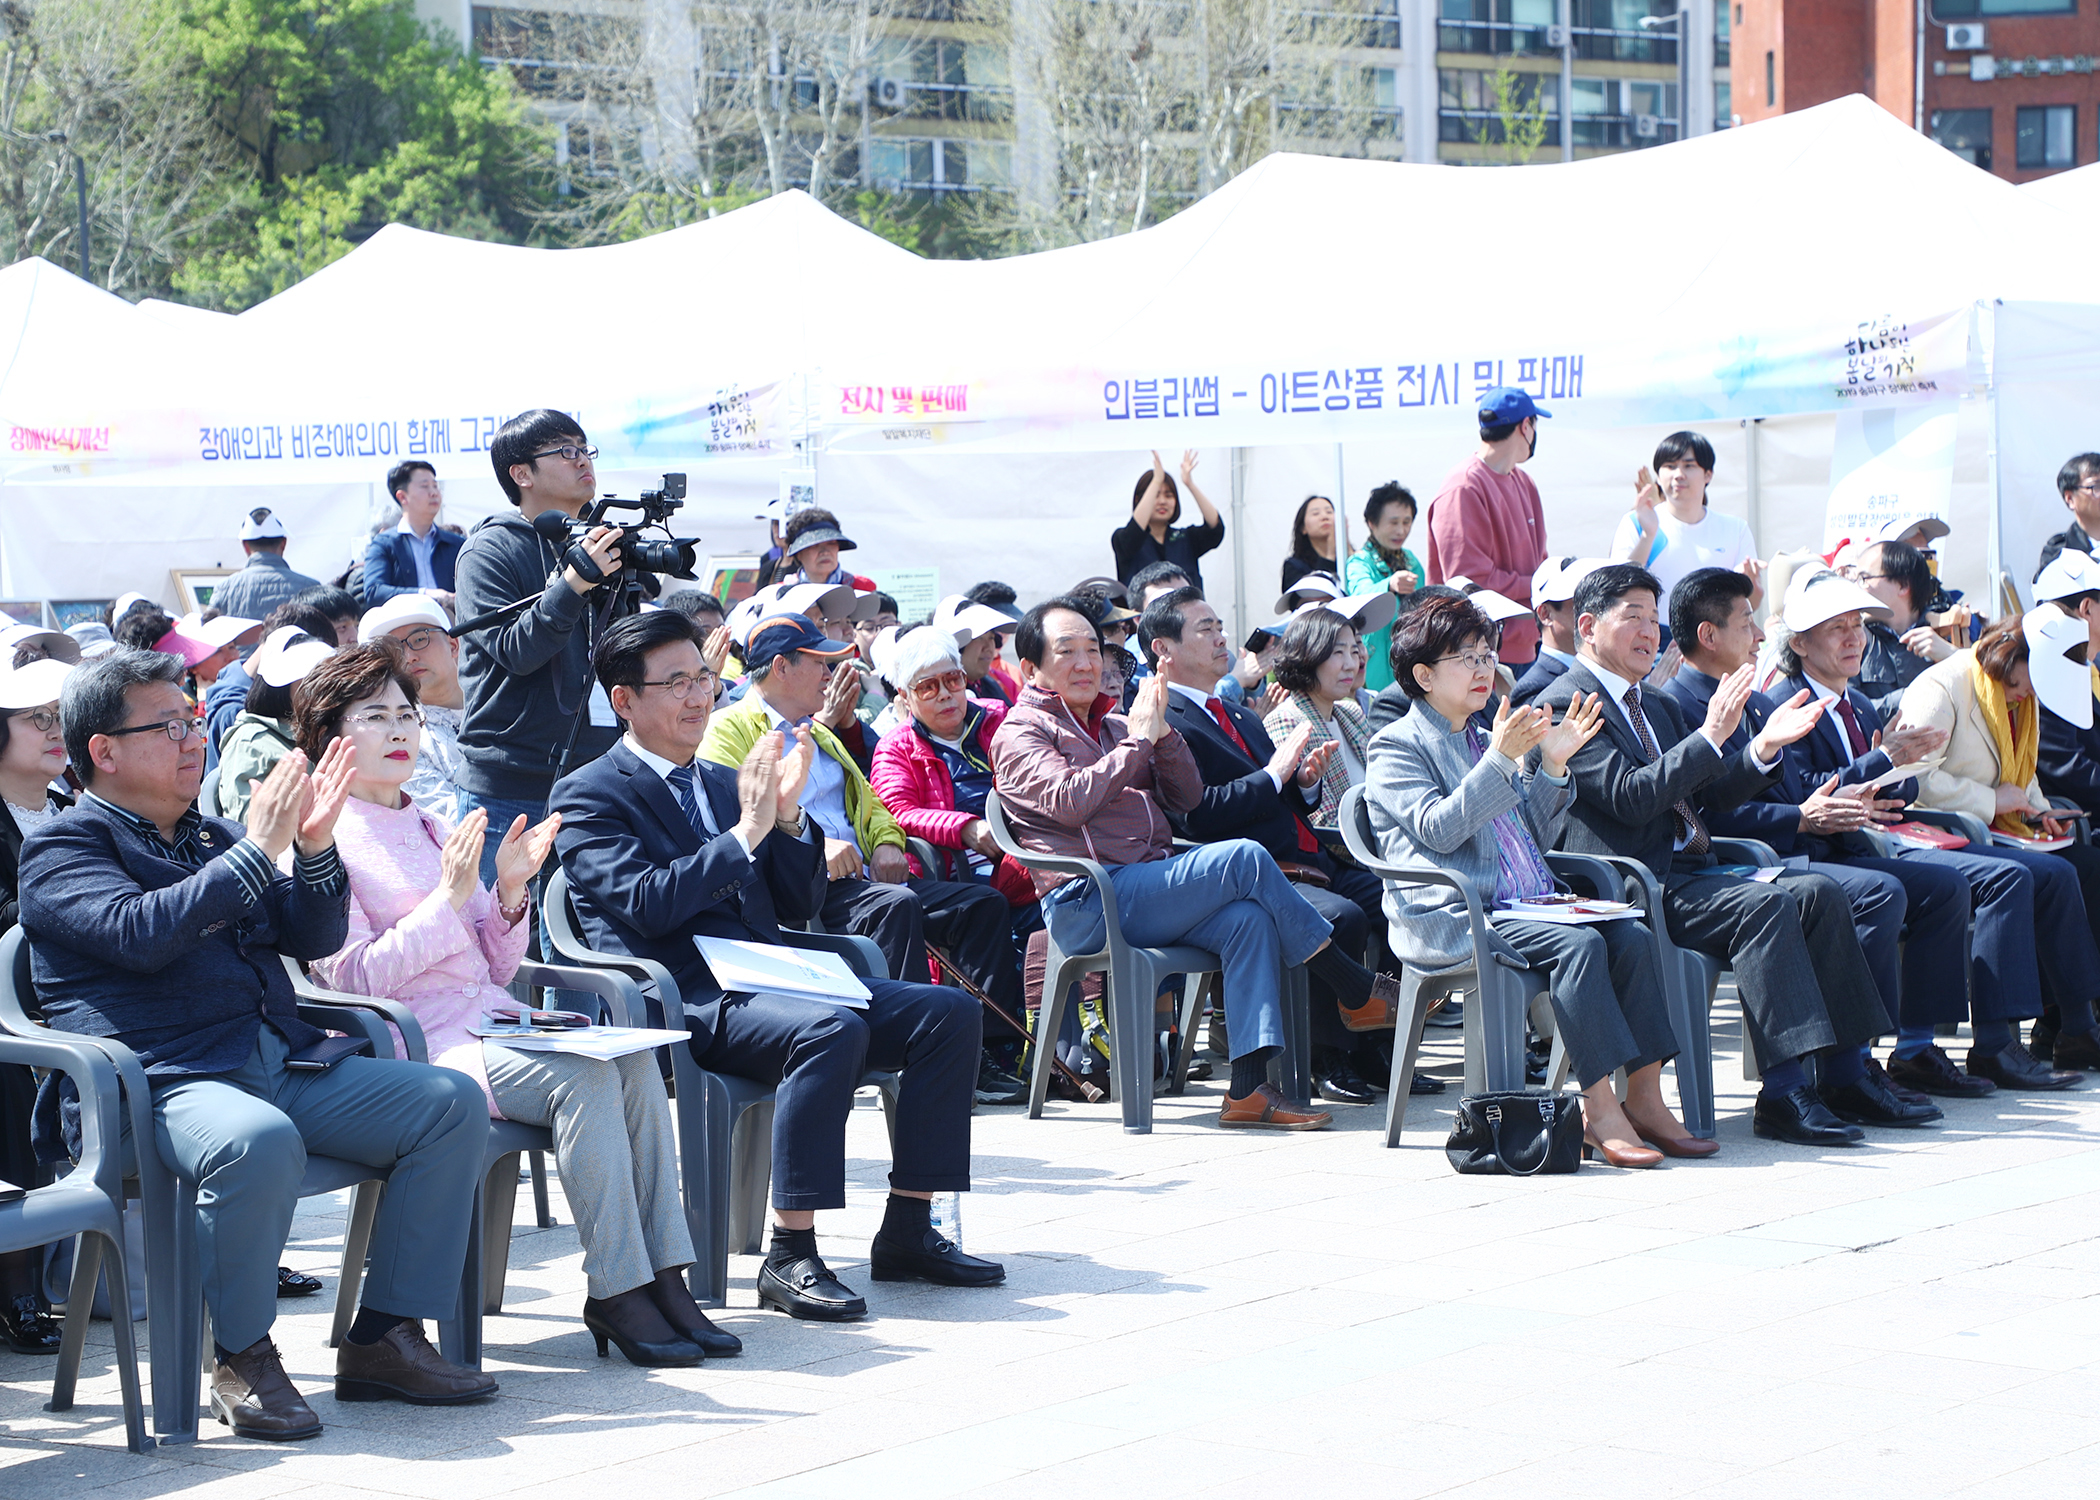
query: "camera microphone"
552, 525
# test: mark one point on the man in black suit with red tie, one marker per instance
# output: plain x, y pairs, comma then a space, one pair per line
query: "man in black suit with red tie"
660, 847
1254, 790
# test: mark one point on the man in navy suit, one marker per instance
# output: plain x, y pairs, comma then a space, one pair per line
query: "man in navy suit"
1253, 790
2011, 905
661, 847
418, 556
1817, 824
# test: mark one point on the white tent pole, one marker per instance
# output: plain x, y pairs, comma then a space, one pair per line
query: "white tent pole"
1995, 560
1341, 523
1238, 531
1753, 499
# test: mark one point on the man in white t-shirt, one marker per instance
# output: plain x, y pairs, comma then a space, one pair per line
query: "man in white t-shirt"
1672, 531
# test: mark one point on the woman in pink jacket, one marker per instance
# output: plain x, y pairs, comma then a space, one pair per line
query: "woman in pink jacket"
426, 932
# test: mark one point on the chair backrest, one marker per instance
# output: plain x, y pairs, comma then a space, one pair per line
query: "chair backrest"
18, 1016
561, 917
995, 818
208, 792
1354, 820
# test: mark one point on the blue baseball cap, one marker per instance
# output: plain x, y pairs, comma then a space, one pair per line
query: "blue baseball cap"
1507, 405
783, 635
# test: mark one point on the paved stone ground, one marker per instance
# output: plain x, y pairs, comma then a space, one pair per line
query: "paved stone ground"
1200, 1311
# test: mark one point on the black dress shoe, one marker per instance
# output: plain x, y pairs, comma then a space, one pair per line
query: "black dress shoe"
2076, 1049
1340, 1085
1422, 1083
291, 1283
996, 1087
2041, 1040
805, 1288
2015, 1068
1799, 1116
1866, 1102
28, 1328
929, 1257
1902, 1091
1933, 1072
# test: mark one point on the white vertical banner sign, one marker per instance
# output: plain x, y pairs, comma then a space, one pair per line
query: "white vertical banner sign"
1887, 464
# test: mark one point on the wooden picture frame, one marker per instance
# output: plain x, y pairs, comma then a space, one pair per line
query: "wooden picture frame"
66, 613
194, 586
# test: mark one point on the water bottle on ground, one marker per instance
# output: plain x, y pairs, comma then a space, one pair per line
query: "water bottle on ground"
945, 1214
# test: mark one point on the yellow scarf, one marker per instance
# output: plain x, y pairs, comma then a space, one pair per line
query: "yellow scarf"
2016, 733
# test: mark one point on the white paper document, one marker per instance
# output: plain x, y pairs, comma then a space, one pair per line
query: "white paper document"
605, 1042
770, 968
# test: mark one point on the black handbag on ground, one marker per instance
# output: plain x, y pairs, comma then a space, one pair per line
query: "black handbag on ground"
1520, 1133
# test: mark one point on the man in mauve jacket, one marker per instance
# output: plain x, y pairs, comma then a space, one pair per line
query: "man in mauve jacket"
1075, 779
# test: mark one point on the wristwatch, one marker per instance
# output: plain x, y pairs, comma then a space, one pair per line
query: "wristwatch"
796, 828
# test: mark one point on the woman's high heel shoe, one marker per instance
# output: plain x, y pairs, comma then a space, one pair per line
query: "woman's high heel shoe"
685, 1317
1691, 1146
1620, 1156
631, 1321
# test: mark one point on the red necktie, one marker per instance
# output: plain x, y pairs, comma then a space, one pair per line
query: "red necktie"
1852, 731
1307, 844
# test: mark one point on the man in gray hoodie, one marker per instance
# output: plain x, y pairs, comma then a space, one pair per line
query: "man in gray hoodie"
526, 678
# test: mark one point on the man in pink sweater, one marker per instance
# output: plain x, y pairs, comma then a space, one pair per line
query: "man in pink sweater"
1486, 523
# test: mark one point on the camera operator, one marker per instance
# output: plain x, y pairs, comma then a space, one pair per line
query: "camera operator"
526, 678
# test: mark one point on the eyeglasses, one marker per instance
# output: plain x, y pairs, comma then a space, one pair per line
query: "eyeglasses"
2086, 489
933, 687
567, 450
42, 720
420, 640
680, 685
1472, 661
177, 730
381, 719
1875, 578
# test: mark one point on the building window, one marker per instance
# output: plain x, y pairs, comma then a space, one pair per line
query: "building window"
1963, 10
1965, 132
1771, 81
2046, 136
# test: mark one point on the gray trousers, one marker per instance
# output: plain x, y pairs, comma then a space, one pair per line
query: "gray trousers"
1607, 993
243, 1136
615, 1150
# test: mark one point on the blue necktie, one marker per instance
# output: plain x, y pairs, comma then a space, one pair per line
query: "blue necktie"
688, 795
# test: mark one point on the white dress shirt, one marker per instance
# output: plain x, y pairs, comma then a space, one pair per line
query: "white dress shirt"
663, 768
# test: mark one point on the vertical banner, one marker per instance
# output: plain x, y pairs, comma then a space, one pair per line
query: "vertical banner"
1888, 464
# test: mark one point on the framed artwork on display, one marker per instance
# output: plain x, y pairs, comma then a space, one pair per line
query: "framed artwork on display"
730, 579
23, 611
193, 586
66, 613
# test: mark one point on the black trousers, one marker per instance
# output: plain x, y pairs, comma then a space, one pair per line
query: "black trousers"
1351, 907
1804, 983
815, 1053
971, 923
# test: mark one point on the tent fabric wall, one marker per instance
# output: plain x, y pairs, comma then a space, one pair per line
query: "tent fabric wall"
2048, 409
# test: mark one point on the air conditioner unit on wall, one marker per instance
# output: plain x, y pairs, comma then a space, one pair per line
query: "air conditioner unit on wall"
1967, 37
1644, 126
1556, 37
890, 93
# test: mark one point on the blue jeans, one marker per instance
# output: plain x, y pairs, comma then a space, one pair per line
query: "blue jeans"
1227, 898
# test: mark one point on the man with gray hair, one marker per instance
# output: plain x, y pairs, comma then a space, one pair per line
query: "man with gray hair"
162, 929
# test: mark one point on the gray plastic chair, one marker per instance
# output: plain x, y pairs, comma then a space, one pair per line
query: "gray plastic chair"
619, 1004
1501, 994
174, 1276
1131, 983
725, 1121
89, 1203
208, 793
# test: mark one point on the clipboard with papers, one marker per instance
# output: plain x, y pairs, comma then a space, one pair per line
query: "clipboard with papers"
771, 968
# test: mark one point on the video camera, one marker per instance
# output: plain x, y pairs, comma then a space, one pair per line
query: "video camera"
676, 556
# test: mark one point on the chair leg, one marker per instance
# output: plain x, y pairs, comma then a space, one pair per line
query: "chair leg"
1059, 975
1195, 987
179, 1347
750, 1173
1415, 999
1132, 986
499, 1205
135, 1437
1291, 1071
1505, 997
718, 1159
543, 1214
1687, 1002
87, 1262
357, 1240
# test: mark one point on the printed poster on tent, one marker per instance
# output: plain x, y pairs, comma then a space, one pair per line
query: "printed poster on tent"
1887, 464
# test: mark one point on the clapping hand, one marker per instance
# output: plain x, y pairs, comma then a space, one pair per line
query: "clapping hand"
1647, 494
1828, 810
520, 855
1283, 765
1725, 709
1788, 723
459, 862
289, 806
1315, 764
841, 697
1666, 666
1577, 727
715, 649
1148, 710
1517, 730
326, 792
1923, 640
1909, 742
1188, 465
794, 776
758, 789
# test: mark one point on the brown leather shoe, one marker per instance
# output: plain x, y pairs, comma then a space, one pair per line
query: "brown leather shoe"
1379, 1013
251, 1394
1267, 1109
403, 1367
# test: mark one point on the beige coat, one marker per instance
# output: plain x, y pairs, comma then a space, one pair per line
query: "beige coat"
1964, 775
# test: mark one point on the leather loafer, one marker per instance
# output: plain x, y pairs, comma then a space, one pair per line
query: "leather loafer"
1933, 1072
2041, 1040
403, 1367
292, 1283
1423, 1083
2076, 1049
1340, 1085
1267, 1109
805, 1288
2015, 1068
1798, 1116
1902, 1091
1379, 1013
1868, 1103
932, 1258
251, 1394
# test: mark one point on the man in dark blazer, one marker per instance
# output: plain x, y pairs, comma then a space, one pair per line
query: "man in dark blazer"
660, 848
161, 929
1816, 823
1253, 790
1804, 983
418, 556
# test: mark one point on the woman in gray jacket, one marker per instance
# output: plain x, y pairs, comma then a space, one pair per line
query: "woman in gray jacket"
1443, 793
